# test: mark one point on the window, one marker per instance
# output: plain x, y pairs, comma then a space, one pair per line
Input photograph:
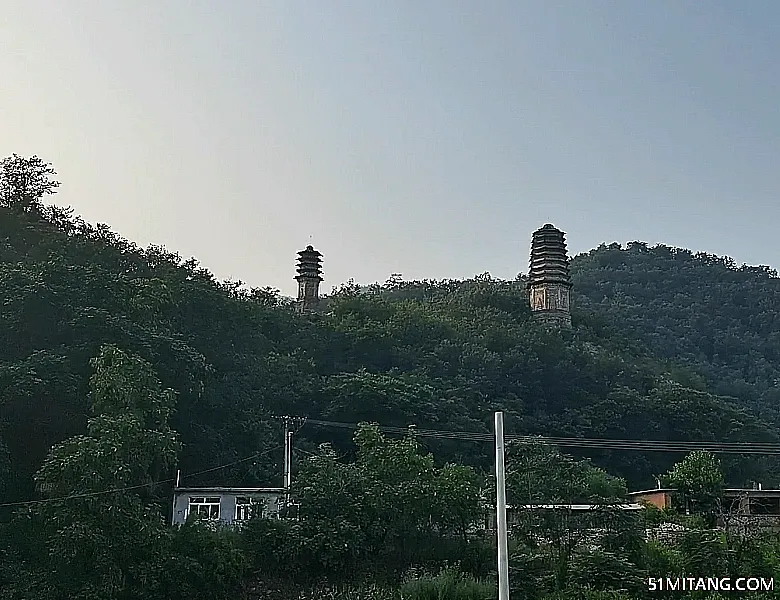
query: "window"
245, 507
764, 506
205, 508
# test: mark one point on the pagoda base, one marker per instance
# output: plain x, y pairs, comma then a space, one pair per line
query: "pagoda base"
553, 318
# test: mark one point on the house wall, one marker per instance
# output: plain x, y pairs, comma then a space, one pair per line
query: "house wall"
227, 504
753, 502
660, 500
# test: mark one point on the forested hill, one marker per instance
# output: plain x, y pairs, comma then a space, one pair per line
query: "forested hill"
441, 355
700, 310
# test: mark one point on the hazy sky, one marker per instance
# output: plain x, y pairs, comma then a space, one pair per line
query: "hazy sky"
422, 137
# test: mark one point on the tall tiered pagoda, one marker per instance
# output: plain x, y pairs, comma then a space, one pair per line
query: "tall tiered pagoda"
549, 283
309, 278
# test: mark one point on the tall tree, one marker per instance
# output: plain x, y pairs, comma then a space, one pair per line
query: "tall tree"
24, 182
100, 523
538, 476
698, 479
392, 503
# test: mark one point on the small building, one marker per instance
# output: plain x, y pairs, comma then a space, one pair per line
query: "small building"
659, 497
749, 510
740, 501
226, 505
512, 512
755, 502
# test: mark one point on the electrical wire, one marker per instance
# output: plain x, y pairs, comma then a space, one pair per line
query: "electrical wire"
134, 487
302, 423
764, 448
760, 448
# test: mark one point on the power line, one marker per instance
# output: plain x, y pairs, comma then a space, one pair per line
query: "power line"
239, 461
134, 487
763, 448
759, 448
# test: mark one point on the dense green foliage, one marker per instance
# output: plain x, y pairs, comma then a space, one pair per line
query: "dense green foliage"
699, 310
118, 364
98, 532
699, 481
442, 355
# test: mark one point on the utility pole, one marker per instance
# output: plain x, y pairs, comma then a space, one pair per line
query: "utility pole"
288, 436
287, 458
175, 489
503, 551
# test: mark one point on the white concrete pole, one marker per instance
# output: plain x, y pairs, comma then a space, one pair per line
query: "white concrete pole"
288, 482
287, 466
175, 489
503, 551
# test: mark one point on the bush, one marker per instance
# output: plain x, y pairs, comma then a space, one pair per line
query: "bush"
605, 571
663, 560
589, 594
450, 584
303, 551
476, 557
479, 558
371, 592
206, 564
272, 548
531, 573
704, 552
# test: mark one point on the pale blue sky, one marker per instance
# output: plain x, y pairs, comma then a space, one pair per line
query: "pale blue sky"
428, 138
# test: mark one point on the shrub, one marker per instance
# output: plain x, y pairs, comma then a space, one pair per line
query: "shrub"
272, 547
530, 573
589, 594
370, 592
479, 558
450, 584
205, 563
605, 571
662, 559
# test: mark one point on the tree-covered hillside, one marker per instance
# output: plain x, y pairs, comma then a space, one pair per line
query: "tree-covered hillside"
118, 364
703, 311
441, 355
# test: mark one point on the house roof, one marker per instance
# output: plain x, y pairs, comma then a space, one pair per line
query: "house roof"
228, 490
577, 506
653, 491
727, 491
583, 506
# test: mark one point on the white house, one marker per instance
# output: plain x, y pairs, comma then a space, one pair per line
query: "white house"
226, 505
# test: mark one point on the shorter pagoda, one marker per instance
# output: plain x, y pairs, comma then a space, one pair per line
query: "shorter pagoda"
549, 283
309, 278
